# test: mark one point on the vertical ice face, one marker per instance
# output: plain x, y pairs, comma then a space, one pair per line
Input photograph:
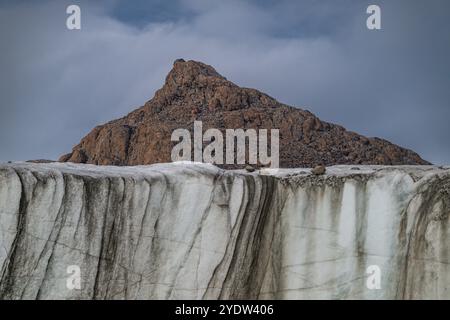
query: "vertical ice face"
198, 232
340, 230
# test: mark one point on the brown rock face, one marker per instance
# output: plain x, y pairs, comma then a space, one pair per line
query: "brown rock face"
195, 91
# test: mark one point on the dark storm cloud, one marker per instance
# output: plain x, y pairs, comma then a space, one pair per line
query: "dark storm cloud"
58, 84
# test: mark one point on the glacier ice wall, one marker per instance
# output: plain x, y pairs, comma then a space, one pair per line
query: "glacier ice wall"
191, 231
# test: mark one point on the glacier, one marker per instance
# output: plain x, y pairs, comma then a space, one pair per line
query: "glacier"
194, 231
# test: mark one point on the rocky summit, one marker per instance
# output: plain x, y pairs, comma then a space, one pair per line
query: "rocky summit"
194, 91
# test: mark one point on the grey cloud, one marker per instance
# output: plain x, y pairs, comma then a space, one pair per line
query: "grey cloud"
57, 84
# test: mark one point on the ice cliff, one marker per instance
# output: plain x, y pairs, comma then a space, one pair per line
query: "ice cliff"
198, 232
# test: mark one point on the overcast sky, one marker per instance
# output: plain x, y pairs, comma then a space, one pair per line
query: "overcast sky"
57, 84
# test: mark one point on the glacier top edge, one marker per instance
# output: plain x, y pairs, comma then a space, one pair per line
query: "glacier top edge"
185, 167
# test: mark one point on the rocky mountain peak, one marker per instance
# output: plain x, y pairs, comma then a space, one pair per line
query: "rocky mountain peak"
191, 80
196, 91
187, 70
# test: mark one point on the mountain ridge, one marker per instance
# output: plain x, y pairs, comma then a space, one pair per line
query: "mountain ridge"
196, 91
